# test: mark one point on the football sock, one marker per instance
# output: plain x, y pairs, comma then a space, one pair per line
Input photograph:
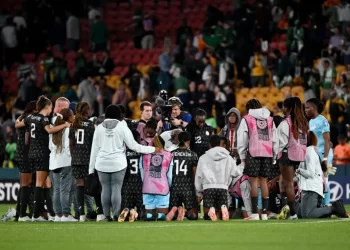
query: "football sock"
291, 207
48, 199
265, 205
254, 205
18, 204
80, 199
283, 199
38, 194
24, 200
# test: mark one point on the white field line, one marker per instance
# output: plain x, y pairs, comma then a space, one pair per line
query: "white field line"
151, 225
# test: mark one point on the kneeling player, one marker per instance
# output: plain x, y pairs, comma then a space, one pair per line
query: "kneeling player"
182, 188
132, 186
214, 174
156, 173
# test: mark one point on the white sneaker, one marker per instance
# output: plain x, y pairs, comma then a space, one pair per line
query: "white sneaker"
69, 218
9, 215
24, 219
57, 219
100, 217
39, 219
264, 217
253, 217
272, 216
50, 218
294, 217
82, 218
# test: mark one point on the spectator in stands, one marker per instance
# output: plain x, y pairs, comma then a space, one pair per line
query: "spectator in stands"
183, 29
332, 14
342, 154
87, 91
104, 97
103, 64
58, 34
345, 92
99, 35
346, 47
60, 74
207, 72
93, 12
121, 96
181, 84
73, 32
165, 65
11, 149
138, 28
329, 76
2, 148
19, 20
344, 14
257, 64
9, 40
335, 107
24, 69
148, 36
193, 97
220, 101
230, 96
206, 98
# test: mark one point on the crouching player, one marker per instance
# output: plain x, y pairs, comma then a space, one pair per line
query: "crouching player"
156, 172
132, 186
214, 174
182, 189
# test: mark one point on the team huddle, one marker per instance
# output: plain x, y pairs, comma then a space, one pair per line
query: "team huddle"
259, 167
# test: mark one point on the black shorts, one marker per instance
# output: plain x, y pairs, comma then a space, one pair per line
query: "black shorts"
215, 197
80, 171
186, 196
257, 166
39, 164
284, 161
25, 167
131, 198
274, 171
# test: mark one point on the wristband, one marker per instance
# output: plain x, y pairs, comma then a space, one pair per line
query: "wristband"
325, 159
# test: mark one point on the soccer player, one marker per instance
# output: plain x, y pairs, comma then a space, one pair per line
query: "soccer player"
26, 172
80, 142
257, 147
39, 128
200, 133
132, 186
320, 126
292, 135
60, 165
156, 173
182, 189
215, 171
148, 132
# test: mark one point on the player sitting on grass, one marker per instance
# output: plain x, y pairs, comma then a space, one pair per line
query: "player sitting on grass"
182, 188
156, 173
132, 185
215, 171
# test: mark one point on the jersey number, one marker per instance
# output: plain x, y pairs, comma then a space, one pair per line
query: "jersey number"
80, 136
32, 130
134, 166
198, 139
180, 167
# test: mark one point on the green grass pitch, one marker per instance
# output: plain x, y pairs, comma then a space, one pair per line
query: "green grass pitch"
235, 234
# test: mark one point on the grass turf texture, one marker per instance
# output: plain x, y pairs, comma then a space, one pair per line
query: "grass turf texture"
234, 234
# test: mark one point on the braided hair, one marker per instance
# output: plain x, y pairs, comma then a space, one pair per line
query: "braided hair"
82, 110
297, 115
184, 137
42, 102
62, 118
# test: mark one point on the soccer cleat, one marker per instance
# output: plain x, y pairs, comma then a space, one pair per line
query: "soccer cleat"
264, 217
100, 217
212, 214
123, 215
284, 213
293, 217
24, 219
57, 219
272, 216
69, 218
9, 215
50, 218
339, 209
133, 215
253, 217
180, 213
225, 214
82, 218
171, 214
39, 219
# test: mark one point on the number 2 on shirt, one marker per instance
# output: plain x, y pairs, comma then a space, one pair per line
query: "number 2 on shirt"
32, 130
